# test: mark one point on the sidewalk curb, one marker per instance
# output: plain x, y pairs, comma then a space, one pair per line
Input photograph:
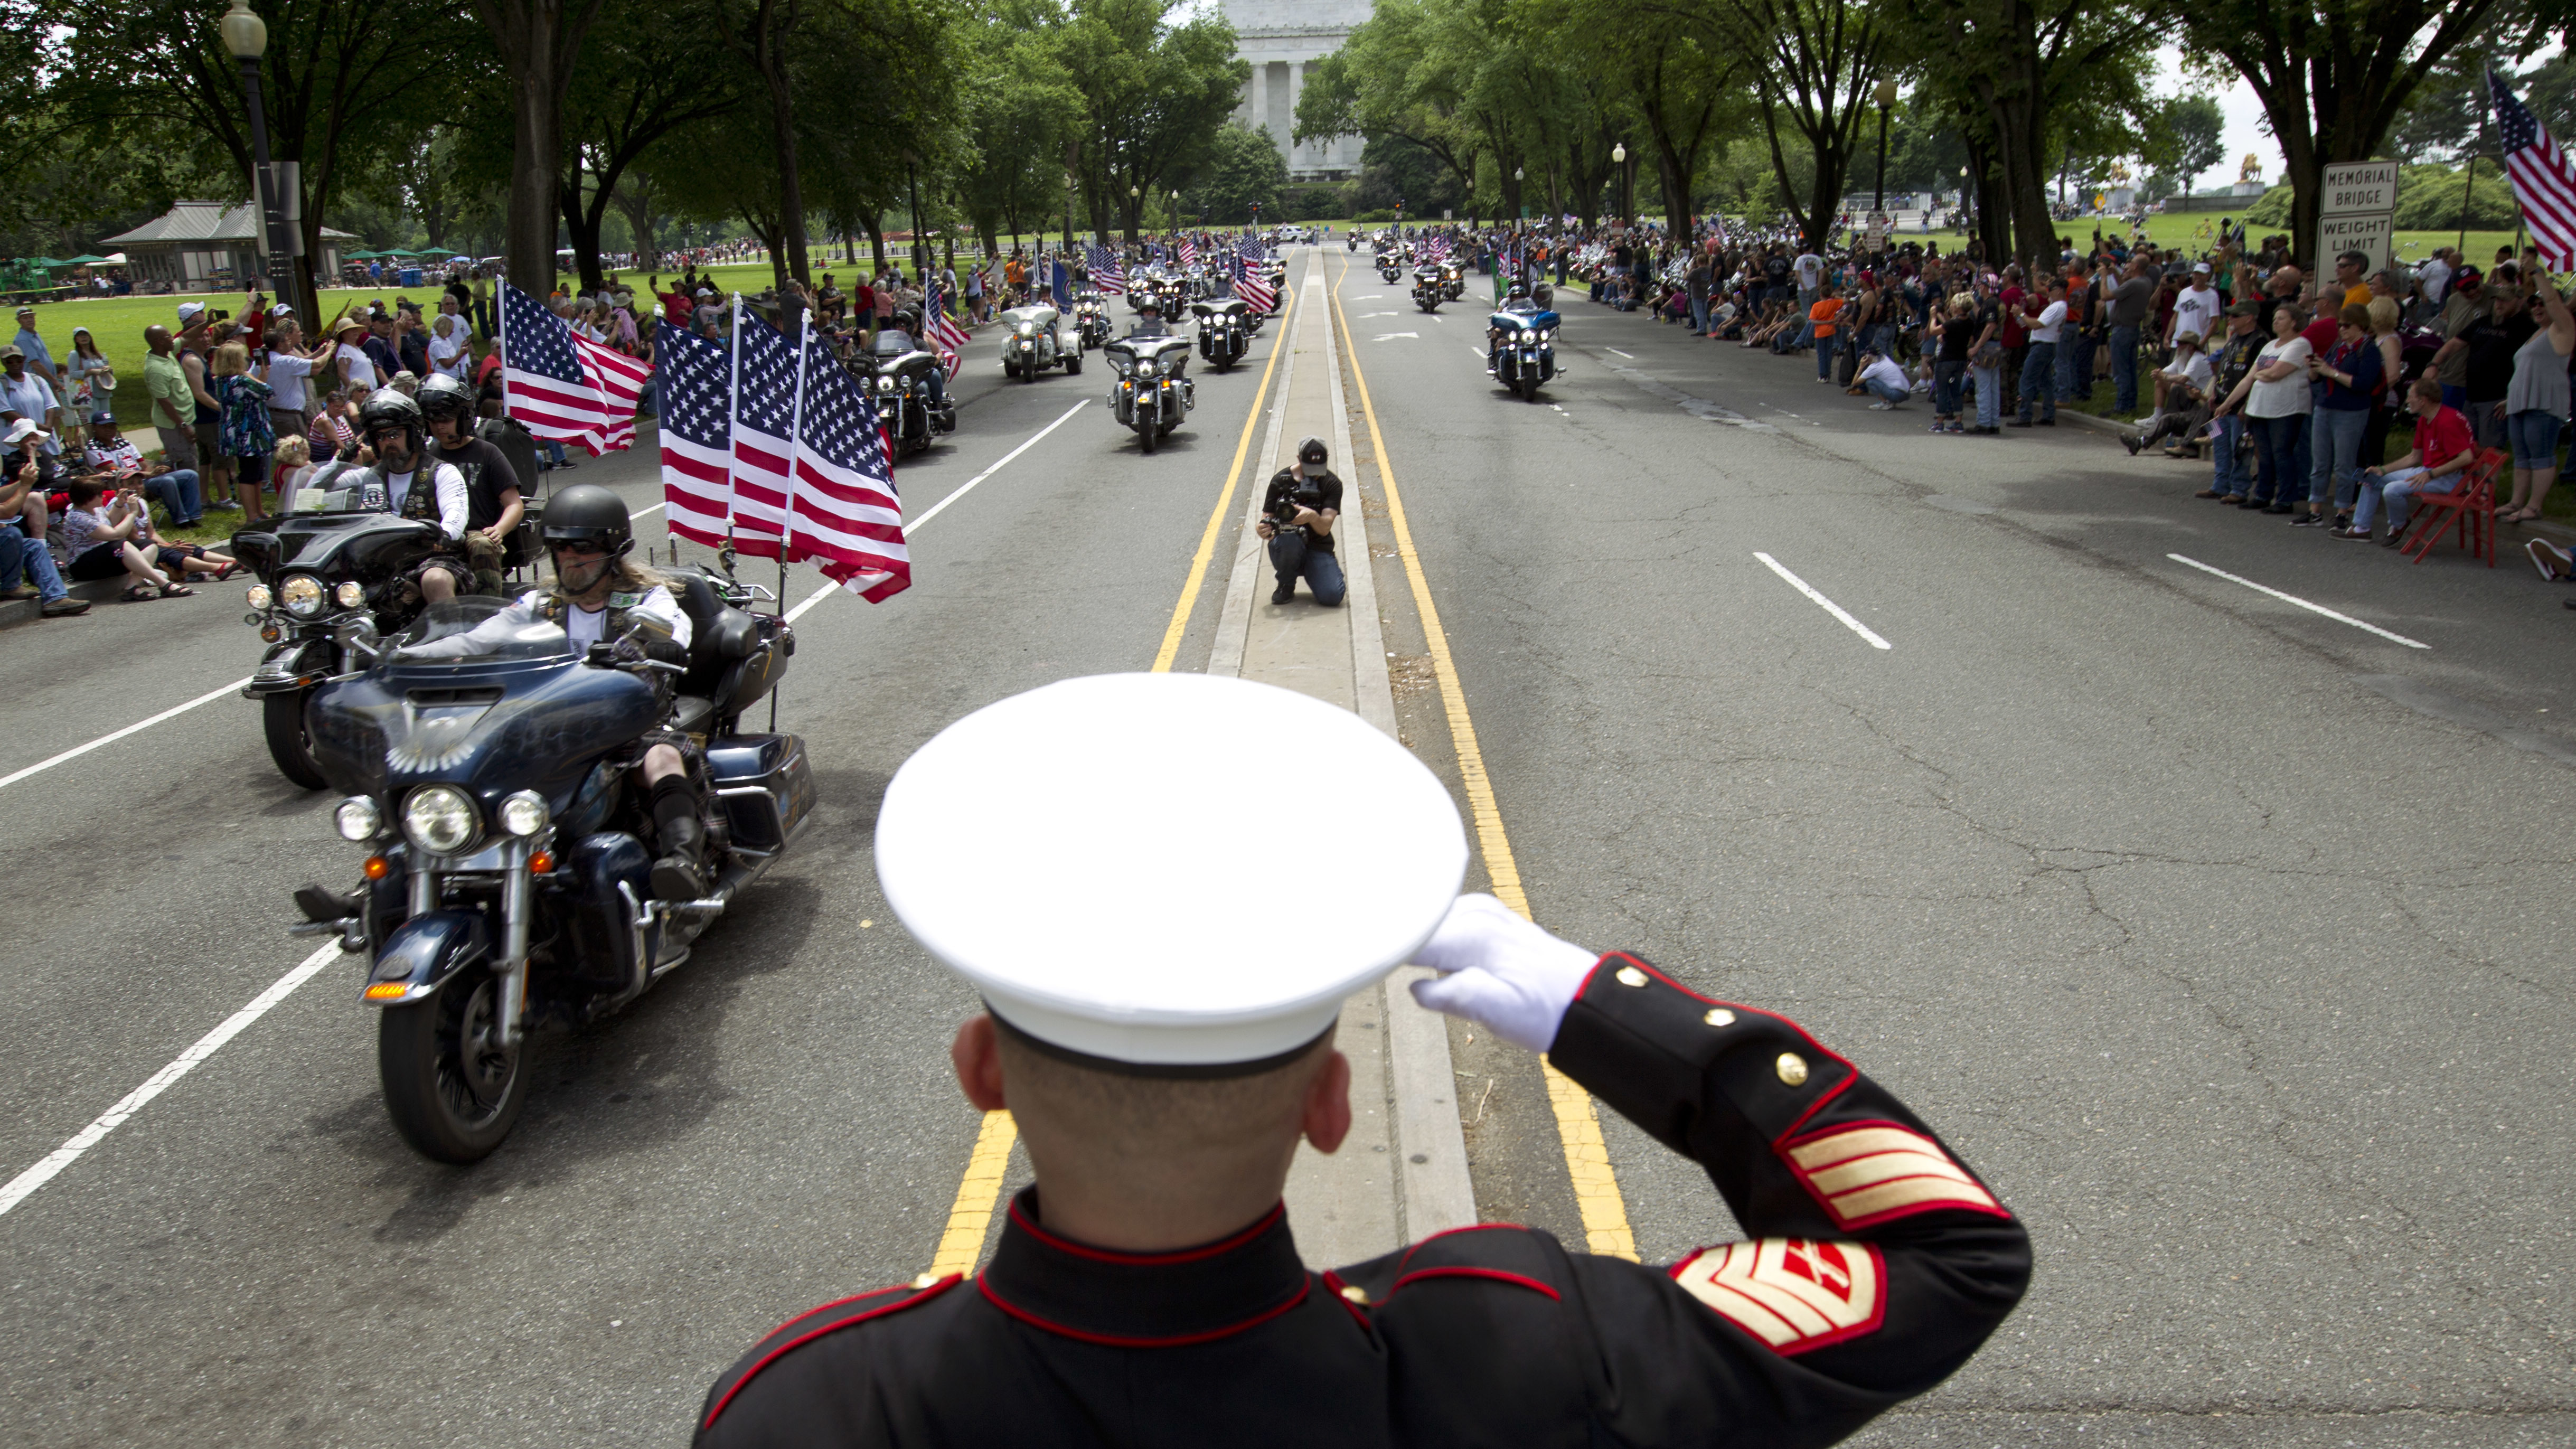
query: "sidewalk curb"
15, 612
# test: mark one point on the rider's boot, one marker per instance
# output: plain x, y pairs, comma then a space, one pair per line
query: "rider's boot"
681, 872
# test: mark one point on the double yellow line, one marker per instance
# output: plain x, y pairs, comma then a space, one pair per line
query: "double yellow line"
1597, 1197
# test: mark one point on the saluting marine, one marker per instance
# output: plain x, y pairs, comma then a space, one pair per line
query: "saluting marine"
1163, 1035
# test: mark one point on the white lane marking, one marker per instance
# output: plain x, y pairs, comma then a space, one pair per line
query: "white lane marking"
640, 512
2284, 598
77, 751
1628, 355
1475, 352
915, 525
1391, 336
1436, 317
1364, 316
1828, 605
161, 1081
1371, 297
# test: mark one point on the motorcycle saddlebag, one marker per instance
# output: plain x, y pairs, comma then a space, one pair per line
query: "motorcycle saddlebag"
776, 787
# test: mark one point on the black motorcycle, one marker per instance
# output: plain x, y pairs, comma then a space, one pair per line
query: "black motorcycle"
330, 584
1388, 267
507, 882
1453, 278
1428, 293
1091, 320
1153, 395
1224, 331
899, 374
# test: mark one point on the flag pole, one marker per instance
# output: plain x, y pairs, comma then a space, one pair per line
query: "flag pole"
733, 407
795, 445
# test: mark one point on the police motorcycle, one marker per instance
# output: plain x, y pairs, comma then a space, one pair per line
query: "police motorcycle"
1172, 291
1389, 266
1090, 320
1153, 394
494, 775
1039, 338
1428, 291
1522, 351
904, 377
1453, 279
1225, 333
339, 571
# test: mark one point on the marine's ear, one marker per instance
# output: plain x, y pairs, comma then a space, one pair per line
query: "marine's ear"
978, 1058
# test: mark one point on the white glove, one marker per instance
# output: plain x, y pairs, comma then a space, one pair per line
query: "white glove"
1501, 972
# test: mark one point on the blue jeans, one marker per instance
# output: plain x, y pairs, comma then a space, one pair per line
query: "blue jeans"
1990, 395
1699, 315
2039, 380
554, 451
2534, 432
2334, 445
1293, 559
2068, 344
1945, 387
17, 554
1825, 358
177, 492
1892, 396
2395, 489
2276, 449
2124, 369
2227, 468
2080, 367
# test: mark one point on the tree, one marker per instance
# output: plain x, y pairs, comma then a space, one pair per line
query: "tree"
1398, 77
1022, 116
540, 42
1818, 61
2333, 75
1154, 94
1243, 170
2192, 131
643, 78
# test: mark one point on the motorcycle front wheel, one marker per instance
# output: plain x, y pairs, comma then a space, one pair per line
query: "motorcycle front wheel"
282, 718
452, 1089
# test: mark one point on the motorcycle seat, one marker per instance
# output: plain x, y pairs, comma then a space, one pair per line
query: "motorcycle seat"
719, 634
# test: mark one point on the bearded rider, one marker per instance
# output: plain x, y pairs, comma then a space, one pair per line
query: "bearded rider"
493, 507
402, 480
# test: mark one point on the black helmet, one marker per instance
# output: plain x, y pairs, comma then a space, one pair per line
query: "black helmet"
586, 513
1150, 302
1312, 451
442, 396
1519, 290
387, 409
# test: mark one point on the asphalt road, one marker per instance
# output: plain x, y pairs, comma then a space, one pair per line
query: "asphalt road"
2220, 935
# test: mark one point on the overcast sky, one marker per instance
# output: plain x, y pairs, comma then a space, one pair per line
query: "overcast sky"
2244, 133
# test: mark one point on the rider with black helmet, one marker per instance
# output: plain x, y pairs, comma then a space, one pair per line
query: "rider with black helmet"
1149, 315
1518, 299
1297, 518
405, 480
493, 507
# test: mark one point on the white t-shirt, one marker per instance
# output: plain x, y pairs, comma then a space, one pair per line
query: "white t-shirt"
2050, 319
2196, 309
584, 626
447, 355
1885, 371
362, 370
2288, 397
2192, 368
1811, 272
286, 374
2436, 275
453, 498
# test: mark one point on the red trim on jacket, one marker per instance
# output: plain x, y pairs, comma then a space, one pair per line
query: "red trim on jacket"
771, 1357
984, 1285
1461, 1270
1146, 1260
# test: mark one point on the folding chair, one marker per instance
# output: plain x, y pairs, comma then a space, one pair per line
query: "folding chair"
2471, 506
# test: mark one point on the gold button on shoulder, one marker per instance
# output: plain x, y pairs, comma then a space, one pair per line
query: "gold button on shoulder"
1631, 976
1719, 1016
1793, 1069
1355, 1293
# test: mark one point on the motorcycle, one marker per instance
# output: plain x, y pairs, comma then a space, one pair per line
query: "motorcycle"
1154, 394
899, 374
1428, 293
330, 582
1039, 339
1388, 268
507, 882
1223, 337
1524, 356
1090, 320
1453, 279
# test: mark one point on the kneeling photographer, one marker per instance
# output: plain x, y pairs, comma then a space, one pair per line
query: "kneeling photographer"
1297, 517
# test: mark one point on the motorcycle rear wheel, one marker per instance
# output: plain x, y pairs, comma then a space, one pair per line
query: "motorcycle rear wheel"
453, 1092
282, 719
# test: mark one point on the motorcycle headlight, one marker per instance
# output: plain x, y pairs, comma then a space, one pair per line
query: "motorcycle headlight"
1144, 369
885, 384
350, 594
301, 594
357, 818
525, 813
260, 598
440, 819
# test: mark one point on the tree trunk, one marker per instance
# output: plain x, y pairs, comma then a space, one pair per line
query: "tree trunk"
539, 41
581, 224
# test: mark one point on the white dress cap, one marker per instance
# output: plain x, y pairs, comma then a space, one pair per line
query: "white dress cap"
1168, 870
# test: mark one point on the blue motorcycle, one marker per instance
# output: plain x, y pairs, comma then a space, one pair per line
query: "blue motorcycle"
1524, 350
507, 881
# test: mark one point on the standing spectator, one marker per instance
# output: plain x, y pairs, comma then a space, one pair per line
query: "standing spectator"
2443, 451
356, 368
379, 345
89, 381
482, 303
288, 372
2039, 369
1986, 363
25, 395
2351, 379
2015, 338
2130, 307
1953, 329
2276, 401
2461, 310
411, 343
1697, 280
174, 406
451, 350
1820, 322
206, 414
2536, 405
175, 489
40, 358
2433, 279
2492, 339
245, 434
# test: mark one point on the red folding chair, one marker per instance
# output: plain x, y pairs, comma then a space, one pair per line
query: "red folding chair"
2471, 506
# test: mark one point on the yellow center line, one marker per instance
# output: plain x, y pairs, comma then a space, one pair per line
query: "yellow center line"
1216, 517
970, 1217
1578, 1126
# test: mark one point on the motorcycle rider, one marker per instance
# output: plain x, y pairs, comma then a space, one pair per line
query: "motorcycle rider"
1149, 318
1517, 300
403, 480
493, 506
909, 324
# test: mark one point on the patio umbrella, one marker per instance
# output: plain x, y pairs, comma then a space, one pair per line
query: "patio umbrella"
86, 261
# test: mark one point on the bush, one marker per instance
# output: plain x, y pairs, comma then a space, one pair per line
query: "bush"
1373, 216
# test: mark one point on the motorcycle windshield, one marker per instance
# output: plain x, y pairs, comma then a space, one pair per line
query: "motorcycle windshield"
891, 343
478, 630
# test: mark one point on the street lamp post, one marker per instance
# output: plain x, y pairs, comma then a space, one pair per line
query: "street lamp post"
1135, 212
1627, 186
1518, 175
1886, 98
246, 36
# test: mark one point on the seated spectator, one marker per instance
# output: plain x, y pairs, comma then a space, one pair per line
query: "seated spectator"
2190, 366
1884, 379
2443, 451
172, 559
90, 548
22, 537
175, 489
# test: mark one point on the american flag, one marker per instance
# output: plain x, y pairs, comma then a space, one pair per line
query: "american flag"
1189, 253
764, 413
1108, 273
848, 519
563, 385
1254, 291
697, 433
940, 326
2542, 180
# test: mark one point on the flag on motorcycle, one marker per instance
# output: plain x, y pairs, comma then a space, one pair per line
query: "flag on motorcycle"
764, 414
940, 326
1108, 272
696, 432
847, 517
1189, 253
1252, 289
562, 385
